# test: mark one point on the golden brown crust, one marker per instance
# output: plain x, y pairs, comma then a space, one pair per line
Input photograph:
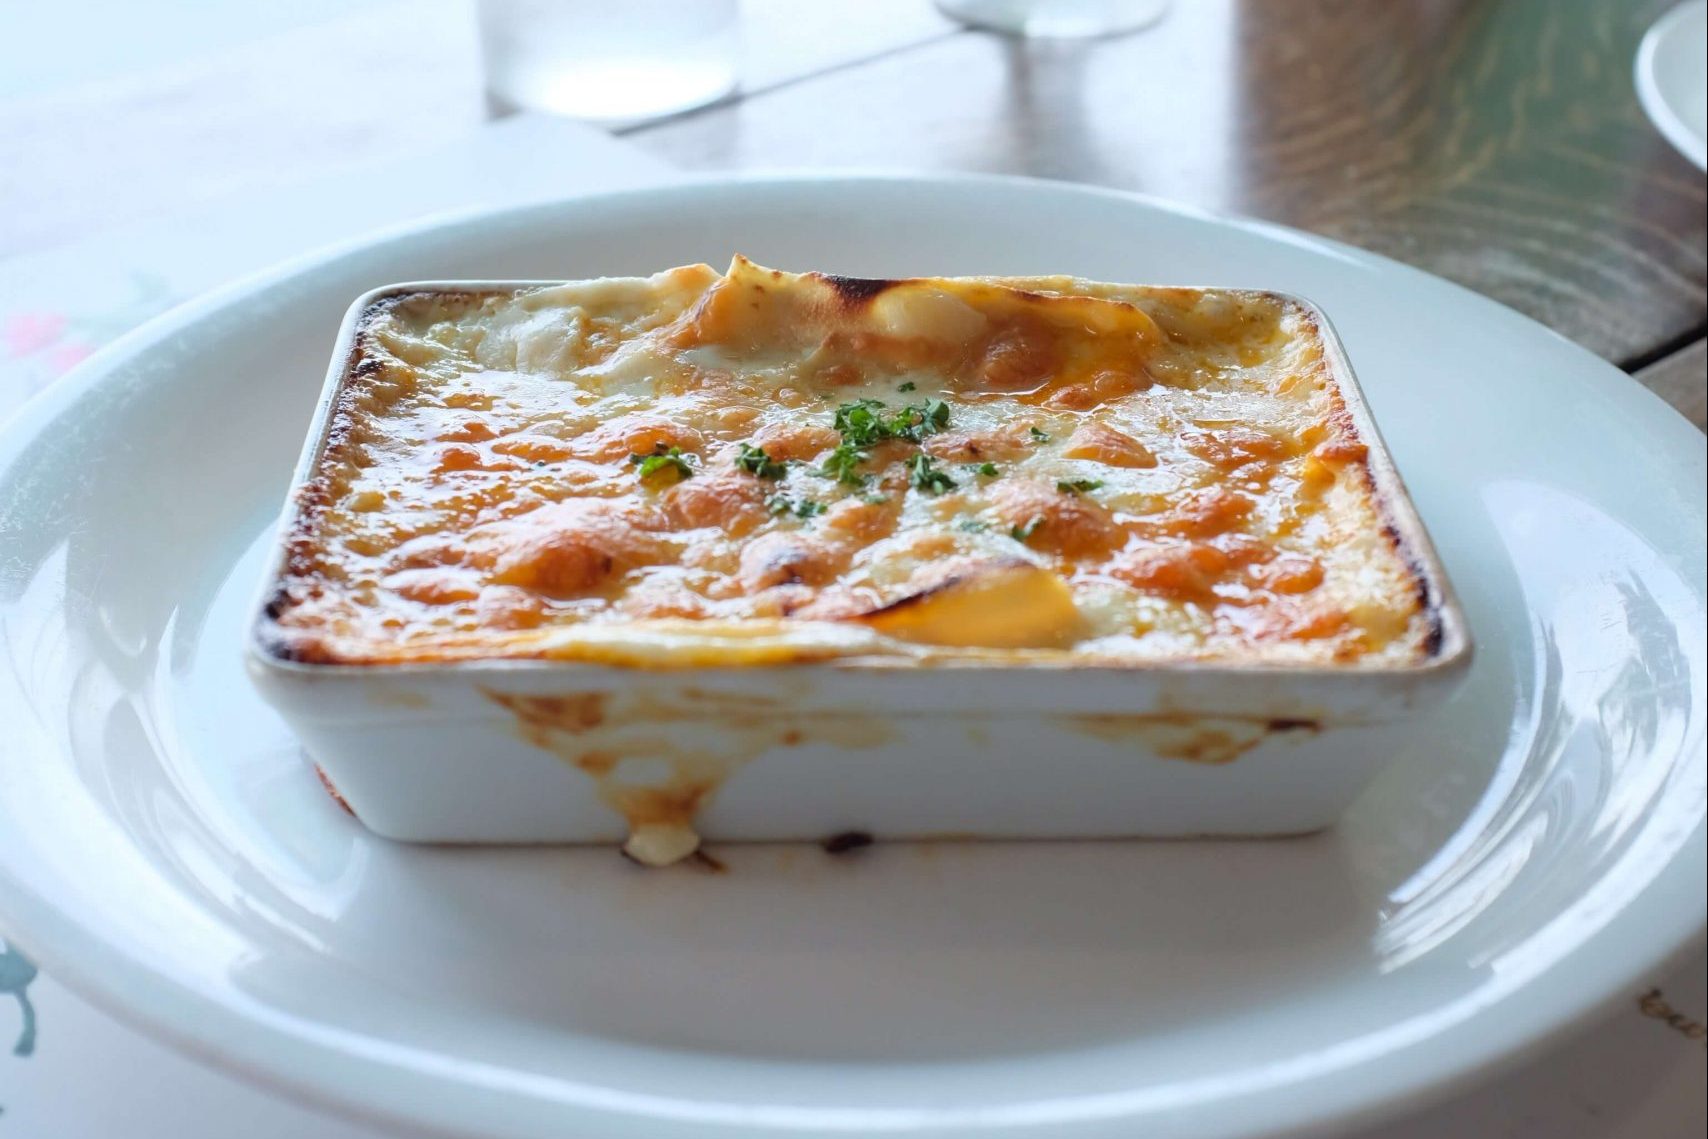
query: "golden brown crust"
565, 471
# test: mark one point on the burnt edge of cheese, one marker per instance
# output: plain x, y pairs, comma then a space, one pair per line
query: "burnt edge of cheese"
1429, 601
298, 650
914, 600
331, 789
856, 291
313, 496
272, 639
846, 842
710, 863
387, 303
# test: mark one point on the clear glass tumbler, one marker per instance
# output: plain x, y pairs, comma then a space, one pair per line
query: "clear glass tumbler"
1064, 18
608, 61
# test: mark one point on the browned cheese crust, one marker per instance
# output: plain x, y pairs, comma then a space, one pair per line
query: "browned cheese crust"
757, 466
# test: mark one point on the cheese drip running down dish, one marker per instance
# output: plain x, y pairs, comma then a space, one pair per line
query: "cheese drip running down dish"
754, 467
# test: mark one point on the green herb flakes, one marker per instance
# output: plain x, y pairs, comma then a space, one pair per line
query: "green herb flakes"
1025, 532
843, 466
755, 461
915, 421
922, 474
861, 423
664, 461
779, 504
868, 421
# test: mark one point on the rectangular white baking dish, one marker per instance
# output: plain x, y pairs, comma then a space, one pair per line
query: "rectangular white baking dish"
547, 751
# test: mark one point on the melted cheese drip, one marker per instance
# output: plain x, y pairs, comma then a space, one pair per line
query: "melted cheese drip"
1178, 463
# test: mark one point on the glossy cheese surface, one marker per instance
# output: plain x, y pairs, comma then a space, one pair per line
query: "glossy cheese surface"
709, 468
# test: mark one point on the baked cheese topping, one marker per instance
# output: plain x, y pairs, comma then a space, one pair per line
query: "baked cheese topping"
755, 466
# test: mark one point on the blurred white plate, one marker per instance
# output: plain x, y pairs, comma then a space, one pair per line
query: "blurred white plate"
1672, 79
163, 848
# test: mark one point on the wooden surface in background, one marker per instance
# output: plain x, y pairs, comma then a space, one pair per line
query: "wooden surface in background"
1678, 379
1498, 144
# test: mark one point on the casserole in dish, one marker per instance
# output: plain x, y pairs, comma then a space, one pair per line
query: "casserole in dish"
793, 555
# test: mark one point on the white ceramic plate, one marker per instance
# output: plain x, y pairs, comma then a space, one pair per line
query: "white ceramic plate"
1672, 79
1541, 845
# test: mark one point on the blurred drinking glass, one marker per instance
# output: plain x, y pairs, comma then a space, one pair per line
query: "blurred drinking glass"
1065, 18
608, 61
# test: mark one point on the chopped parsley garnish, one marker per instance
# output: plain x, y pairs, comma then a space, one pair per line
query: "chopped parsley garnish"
915, 421
1022, 533
779, 504
908, 387
843, 464
861, 423
983, 470
1038, 436
923, 474
1077, 486
755, 461
670, 460
868, 421
874, 499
